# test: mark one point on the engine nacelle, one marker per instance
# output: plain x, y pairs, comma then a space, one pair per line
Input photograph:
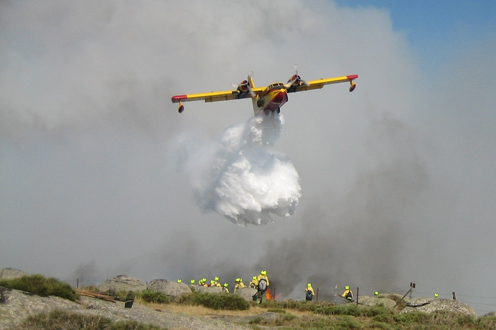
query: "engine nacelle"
295, 81
244, 86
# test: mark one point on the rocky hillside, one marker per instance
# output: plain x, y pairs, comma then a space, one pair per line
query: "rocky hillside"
19, 305
15, 306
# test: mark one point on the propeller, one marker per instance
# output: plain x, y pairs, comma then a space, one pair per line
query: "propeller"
245, 84
295, 79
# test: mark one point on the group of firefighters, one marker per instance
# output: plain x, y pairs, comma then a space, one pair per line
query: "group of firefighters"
260, 283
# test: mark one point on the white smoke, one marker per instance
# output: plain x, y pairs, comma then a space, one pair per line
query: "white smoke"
242, 178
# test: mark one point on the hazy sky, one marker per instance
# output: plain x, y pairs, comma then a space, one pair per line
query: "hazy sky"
397, 178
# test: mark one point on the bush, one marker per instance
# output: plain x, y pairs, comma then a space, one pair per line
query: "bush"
302, 306
220, 301
412, 317
348, 322
42, 286
349, 309
59, 319
153, 297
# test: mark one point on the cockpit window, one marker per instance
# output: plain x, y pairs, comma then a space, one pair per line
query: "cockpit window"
277, 85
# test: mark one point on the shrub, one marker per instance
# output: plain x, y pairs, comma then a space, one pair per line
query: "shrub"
349, 309
486, 322
276, 310
59, 319
411, 317
42, 286
220, 301
348, 322
154, 297
380, 325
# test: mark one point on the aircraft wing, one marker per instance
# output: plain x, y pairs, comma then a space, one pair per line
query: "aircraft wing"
317, 84
215, 96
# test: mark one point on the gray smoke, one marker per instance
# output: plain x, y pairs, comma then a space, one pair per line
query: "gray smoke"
357, 239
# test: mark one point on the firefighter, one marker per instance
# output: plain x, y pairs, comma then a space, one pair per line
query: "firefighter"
309, 293
262, 285
226, 290
253, 284
216, 282
347, 294
239, 284
192, 283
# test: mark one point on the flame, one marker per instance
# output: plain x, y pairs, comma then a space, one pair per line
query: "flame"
269, 295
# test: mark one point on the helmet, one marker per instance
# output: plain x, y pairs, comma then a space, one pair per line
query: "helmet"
216, 278
346, 287
179, 280
376, 293
254, 278
226, 285
436, 295
240, 279
212, 281
309, 284
237, 279
263, 272
192, 281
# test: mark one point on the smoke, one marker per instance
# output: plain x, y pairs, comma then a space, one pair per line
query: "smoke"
356, 239
242, 178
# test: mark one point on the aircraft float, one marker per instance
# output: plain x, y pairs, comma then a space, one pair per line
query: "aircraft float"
267, 99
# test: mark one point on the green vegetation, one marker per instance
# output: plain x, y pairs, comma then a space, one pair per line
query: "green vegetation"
302, 306
217, 301
153, 297
42, 286
58, 319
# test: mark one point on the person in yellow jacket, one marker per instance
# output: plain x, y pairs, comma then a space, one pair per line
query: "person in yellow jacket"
347, 294
216, 282
239, 284
309, 293
262, 285
226, 290
254, 282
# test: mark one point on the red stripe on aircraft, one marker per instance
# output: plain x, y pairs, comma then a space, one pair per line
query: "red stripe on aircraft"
178, 98
353, 76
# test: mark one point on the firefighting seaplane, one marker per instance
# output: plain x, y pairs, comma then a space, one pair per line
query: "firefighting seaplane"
267, 99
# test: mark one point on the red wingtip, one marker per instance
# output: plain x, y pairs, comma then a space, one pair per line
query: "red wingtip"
178, 98
353, 76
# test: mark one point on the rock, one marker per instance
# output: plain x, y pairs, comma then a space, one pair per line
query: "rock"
122, 283
20, 305
430, 305
490, 314
170, 288
246, 293
375, 301
10, 273
209, 289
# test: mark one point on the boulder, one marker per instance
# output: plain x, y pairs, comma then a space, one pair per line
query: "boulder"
170, 288
122, 283
376, 301
430, 305
209, 289
246, 293
490, 314
10, 273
